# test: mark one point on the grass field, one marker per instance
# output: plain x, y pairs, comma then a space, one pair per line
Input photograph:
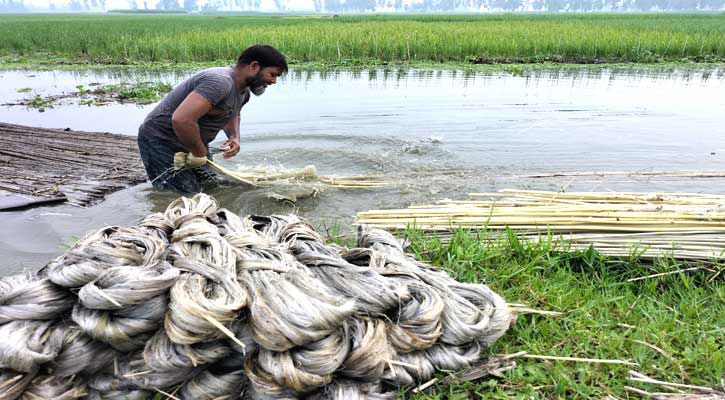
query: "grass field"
672, 326
351, 40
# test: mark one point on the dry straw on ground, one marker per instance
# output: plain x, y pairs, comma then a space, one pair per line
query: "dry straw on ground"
199, 303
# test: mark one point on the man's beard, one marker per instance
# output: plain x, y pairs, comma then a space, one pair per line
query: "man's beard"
256, 84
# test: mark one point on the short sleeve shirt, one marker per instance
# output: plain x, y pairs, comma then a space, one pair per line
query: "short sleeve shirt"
216, 85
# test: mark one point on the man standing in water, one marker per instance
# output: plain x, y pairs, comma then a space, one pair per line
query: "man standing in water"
194, 112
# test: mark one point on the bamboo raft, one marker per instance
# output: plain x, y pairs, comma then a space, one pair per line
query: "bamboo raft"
40, 165
685, 226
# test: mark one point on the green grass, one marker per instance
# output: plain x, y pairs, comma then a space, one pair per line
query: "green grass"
590, 38
682, 314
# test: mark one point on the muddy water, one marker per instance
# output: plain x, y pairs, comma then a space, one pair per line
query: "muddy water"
440, 134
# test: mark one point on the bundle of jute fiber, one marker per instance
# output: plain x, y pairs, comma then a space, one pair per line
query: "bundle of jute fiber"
55, 387
200, 303
22, 297
271, 176
473, 310
90, 256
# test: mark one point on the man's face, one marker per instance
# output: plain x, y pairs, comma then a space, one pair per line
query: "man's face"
265, 77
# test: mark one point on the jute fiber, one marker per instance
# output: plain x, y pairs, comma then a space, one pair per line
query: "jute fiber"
200, 303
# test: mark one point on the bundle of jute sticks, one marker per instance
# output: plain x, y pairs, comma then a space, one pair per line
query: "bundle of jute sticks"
681, 225
199, 303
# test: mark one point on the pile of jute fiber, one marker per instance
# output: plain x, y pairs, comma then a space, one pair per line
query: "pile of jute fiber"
199, 303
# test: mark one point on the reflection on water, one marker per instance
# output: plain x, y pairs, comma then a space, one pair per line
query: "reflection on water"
437, 134
691, 72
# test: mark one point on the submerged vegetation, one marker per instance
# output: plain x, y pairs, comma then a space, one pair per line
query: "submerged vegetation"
672, 326
370, 40
138, 93
98, 95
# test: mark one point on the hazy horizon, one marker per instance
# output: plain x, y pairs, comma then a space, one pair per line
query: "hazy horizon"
362, 6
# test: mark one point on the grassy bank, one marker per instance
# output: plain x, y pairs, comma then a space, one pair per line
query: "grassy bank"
672, 326
366, 40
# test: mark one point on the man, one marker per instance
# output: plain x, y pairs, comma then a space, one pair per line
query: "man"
191, 115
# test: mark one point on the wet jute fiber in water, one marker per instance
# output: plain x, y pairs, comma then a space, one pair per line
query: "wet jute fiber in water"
199, 303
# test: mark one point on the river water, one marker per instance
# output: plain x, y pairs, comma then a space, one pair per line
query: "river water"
437, 134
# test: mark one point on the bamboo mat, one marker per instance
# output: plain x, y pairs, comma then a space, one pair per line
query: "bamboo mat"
688, 226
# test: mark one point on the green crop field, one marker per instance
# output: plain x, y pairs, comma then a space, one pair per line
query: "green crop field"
569, 38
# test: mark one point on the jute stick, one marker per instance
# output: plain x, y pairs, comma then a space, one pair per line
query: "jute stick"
589, 360
138, 374
11, 381
637, 377
663, 274
686, 226
527, 310
403, 364
109, 298
168, 395
425, 385
226, 331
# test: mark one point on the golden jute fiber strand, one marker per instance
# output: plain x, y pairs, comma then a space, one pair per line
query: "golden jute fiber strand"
267, 177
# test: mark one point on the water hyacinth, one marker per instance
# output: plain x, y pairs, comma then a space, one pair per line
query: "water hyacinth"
204, 304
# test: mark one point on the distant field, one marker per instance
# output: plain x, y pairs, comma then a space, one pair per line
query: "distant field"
368, 39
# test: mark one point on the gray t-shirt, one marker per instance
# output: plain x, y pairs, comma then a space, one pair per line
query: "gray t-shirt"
217, 86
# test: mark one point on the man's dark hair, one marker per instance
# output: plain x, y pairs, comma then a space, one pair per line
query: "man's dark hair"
266, 56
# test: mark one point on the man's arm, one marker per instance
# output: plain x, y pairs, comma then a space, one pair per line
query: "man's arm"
232, 131
185, 122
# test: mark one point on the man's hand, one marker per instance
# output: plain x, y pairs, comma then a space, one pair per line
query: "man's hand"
188, 160
231, 129
232, 147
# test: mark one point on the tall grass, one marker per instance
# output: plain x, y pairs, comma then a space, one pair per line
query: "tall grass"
484, 38
605, 317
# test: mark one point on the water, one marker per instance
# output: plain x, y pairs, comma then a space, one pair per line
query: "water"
441, 133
